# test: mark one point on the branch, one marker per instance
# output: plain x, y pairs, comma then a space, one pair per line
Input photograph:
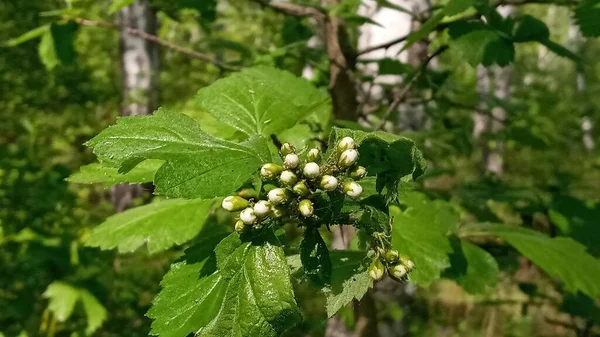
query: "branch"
384, 45
292, 9
142, 34
402, 95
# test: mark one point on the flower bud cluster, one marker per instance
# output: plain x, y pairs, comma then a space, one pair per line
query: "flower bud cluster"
297, 183
397, 266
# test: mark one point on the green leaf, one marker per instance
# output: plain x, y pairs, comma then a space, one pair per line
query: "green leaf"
198, 165
350, 279
455, 7
94, 311
481, 45
391, 158
160, 225
62, 298
315, 257
97, 173
577, 219
260, 100
421, 232
581, 306
47, 52
474, 269
587, 13
251, 296
30, 35
117, 5
428, 26
389, 66
559, 257
63, 36
531, 29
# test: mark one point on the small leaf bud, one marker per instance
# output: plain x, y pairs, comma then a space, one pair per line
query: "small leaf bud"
262, 208
346, 143
329, 183
287, 148
391, 256
248, 216
277, 196
314, 155
348, 158
376, 270
301, 189
288, 178
239, 226
306, 207
276, 212
270, 170
234, 203
358, 172
291, 161
397, 272
311, 170
353, 189
407, 262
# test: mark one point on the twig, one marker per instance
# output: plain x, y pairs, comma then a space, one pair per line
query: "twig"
384, 45
156, 39
407, 86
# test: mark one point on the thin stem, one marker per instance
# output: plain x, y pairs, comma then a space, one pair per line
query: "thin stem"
156, 39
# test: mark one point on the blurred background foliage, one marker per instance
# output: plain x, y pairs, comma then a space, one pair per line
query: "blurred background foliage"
51, 104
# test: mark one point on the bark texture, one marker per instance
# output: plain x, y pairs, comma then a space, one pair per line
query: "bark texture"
140, 71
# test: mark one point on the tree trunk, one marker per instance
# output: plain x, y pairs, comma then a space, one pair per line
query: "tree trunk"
140, 66
493, 151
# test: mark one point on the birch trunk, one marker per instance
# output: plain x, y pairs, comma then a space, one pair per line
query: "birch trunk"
140, 71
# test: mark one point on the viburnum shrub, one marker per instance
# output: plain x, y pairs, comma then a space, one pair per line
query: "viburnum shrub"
232, 195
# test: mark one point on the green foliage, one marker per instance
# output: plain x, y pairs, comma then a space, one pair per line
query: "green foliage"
260, 101
62, 298
159, 225
97, 173
586, 16
350, 279
314, 256
474, 269
560, 257
117, 5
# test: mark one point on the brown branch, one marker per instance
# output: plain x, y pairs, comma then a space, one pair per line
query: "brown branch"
157, 40
407, 86
384, 45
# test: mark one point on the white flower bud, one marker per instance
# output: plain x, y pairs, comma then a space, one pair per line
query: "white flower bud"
248, 216
287, 148
270, 170
239, 226
353, 189
277, 196
314, 155
348, 158
262, 208
358, 172
407, 262
306, 207
234, 203
376, 270
311, 170
346, 143
397, 272
391, 256
301, 189
291, 161
329, 183
288, 177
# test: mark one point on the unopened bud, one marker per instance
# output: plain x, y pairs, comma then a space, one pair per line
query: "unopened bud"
287, 148
311, 170
397, 272
306, 207
288, 177
277, 196
391, 256
248, 216
262, 208
348, 158
301, 189
234, 203
270, 170
329, 183
358, 172
291, 161
376, 270
407, 262
239, 226
353, 189
346, 143
276, 211
314, 155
